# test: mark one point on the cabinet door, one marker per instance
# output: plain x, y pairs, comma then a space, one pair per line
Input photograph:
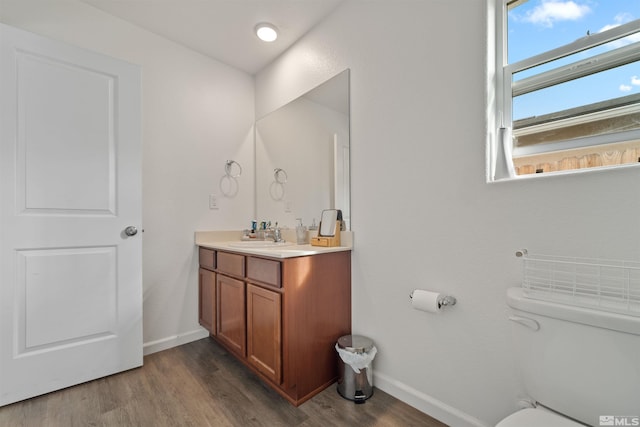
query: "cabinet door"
264, 327
207, 300
231, 325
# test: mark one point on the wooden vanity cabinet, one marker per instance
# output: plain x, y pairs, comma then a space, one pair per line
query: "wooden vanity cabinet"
283, 316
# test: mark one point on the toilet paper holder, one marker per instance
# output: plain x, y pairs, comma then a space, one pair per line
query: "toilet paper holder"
443, 300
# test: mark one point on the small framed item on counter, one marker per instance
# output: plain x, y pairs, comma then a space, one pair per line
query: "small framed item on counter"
330, 226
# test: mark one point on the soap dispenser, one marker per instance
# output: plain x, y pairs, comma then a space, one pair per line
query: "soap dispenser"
301, 233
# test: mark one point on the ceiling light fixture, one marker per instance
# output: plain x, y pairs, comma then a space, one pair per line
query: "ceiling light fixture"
266, 32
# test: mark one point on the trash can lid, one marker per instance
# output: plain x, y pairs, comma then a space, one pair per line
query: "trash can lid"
355, 343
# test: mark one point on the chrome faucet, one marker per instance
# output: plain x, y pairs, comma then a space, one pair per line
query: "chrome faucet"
274, 233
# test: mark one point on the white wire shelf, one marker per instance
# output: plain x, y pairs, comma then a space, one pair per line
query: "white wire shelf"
602, 284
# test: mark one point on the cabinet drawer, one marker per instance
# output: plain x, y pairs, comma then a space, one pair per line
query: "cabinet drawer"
265, 271
232, 264
207, 258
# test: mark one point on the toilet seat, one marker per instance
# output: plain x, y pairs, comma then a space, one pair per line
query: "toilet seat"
537, 417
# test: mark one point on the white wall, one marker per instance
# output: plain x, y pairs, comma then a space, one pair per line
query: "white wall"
197, 113
422, 214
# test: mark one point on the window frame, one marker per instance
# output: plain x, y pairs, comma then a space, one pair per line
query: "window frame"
501, 148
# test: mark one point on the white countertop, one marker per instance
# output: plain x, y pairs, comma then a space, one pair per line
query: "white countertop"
230, 241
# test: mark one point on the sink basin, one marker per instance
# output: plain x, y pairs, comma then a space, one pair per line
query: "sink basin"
259, 244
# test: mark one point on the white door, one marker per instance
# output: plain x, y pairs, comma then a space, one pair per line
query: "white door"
70, 184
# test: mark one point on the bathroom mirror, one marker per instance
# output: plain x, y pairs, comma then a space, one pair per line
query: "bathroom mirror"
328, 222
306, 141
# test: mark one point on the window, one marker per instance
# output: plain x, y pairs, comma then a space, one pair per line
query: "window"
567, 86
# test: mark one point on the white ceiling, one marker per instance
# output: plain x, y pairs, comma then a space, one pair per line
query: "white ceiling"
223, 29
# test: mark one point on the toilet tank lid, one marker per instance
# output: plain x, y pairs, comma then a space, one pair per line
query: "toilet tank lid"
536, 417
587, 316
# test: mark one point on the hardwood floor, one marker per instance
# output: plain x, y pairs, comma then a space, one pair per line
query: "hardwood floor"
199, 384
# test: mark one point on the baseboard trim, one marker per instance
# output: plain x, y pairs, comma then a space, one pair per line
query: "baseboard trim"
425, 403
173, 341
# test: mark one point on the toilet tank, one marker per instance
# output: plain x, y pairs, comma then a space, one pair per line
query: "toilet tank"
580, 362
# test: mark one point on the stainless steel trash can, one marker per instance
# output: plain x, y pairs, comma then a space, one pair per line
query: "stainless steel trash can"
352, 385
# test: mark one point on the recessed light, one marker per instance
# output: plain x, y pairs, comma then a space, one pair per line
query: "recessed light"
266, 32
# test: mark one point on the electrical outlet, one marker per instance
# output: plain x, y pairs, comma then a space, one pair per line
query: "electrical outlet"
287, 206
213, 201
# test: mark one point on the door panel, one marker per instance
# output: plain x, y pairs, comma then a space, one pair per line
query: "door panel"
84, 128
70, 183
264, 331
89, 294
231, 325
207, 300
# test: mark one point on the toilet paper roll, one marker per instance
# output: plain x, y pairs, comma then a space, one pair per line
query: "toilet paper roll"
426, 301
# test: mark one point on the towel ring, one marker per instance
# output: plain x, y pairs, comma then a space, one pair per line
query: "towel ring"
280, 176
228, 167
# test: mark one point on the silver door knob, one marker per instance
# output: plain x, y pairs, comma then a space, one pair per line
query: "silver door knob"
130, 231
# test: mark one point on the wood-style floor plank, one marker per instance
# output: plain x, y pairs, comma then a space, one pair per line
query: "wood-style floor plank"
200, 385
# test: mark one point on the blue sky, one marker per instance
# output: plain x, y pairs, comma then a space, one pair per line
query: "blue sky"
540, 25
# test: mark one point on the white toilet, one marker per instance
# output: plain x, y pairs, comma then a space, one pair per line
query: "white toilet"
578, 365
